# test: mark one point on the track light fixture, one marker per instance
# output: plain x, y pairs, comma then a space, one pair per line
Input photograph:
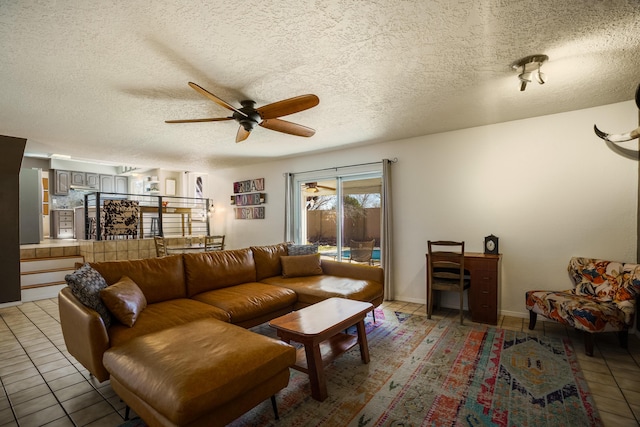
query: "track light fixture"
528, 68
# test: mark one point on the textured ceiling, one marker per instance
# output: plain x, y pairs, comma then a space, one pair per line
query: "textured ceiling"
96, 80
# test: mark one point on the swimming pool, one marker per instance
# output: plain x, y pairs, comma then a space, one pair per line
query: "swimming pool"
346, 253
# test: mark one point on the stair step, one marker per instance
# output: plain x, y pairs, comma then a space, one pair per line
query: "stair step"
49, 270
45, 264
43, 285
34, 294
38, 278
45, 272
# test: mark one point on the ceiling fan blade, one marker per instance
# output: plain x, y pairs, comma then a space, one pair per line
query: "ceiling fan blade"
215, 99
219, 119
242, 134
287, 127
288, 106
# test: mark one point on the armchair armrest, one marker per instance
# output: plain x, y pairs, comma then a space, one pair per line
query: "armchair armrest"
84, 333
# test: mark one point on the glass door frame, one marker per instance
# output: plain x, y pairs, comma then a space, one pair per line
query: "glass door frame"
340, 176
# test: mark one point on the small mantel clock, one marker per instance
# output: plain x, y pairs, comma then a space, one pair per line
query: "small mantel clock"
491, 245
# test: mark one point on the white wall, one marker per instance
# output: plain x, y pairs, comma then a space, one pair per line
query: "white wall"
547, 187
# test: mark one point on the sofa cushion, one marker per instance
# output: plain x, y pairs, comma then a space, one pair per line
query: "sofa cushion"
85, 284
206, 271
163, 315
267, 259
125, 300
599, 279
249, 300
313, 289
301, 265
188, 371
301, 249
586, 313
160, 279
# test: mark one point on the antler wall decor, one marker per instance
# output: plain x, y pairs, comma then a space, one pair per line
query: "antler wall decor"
621, 137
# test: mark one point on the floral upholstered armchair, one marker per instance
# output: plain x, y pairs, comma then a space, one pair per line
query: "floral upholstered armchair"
603, 299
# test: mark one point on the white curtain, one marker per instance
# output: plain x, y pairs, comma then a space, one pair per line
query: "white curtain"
289, 225
387, 229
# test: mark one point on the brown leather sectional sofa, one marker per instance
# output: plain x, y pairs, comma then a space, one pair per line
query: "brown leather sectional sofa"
244, 287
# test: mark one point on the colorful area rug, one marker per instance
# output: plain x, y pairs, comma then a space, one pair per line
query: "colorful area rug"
439, 373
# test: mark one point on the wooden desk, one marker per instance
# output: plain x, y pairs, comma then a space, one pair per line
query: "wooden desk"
485, 283
186, 225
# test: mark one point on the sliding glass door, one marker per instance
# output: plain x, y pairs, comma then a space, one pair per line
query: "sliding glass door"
341, 214
360, 219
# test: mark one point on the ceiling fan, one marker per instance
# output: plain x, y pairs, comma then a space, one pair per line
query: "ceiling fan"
313, 187
266, 116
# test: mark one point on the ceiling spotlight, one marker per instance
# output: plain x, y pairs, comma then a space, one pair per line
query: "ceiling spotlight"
529, 67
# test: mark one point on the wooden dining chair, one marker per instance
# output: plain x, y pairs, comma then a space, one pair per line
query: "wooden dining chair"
214, 243
161, 247
445, 271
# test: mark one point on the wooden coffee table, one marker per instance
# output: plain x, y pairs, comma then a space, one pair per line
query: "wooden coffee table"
320, 327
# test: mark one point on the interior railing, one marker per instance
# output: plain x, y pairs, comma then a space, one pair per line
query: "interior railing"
120, 215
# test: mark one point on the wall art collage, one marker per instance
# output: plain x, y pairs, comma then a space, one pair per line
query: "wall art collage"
248, 196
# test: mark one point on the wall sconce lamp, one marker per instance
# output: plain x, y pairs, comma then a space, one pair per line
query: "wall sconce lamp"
529, 68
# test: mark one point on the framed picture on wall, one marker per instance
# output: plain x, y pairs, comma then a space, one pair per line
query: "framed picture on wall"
197, 185
170, 186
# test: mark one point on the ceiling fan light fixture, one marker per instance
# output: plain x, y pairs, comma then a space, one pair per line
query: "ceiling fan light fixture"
530, 66
311, 187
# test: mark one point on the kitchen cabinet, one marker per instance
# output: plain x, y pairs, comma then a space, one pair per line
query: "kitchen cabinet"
61, 224
61, 182
106, 184
92, 180
78, 178
121, 184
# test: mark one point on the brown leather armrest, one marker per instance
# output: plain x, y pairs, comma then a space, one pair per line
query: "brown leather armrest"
84, 333
354, 271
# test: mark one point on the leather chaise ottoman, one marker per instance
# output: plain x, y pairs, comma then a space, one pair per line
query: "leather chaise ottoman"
204, 373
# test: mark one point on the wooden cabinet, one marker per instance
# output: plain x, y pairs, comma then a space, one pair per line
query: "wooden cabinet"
483, 293
61, 182
62, 224
92, 180
121, 184
64, 180
78, 178
484, 272
106, 183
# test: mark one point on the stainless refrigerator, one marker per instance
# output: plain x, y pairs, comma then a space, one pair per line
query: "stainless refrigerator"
30, 206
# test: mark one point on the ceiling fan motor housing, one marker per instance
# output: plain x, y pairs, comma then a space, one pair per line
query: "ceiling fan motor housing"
252, 116
266, 116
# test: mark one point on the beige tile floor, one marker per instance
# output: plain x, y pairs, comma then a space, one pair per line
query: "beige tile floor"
41, 384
